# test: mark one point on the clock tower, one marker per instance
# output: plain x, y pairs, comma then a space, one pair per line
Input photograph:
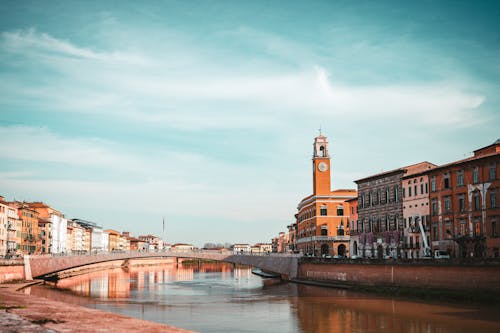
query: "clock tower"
321, 166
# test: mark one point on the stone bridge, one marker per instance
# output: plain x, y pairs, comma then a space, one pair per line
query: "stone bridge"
283, 264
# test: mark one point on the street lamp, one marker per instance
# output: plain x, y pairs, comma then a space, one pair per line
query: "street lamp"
311, 234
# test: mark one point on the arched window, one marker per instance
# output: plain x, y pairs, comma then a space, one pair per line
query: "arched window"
322, 151
340, 211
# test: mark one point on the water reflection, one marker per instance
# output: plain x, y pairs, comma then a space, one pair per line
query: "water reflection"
217, 297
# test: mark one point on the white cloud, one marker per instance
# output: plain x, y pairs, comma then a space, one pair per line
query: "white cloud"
39, 144
35, 43
191, 99
188, 183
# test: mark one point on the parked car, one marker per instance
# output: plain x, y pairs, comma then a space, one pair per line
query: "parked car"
441, 255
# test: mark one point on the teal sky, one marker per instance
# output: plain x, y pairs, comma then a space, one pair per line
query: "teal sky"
204, 112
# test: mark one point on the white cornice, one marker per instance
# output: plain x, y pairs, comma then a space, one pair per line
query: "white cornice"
317, 198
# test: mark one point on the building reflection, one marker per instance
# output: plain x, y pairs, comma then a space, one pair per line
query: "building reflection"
152, 293
118, 282
337, 311
113, 283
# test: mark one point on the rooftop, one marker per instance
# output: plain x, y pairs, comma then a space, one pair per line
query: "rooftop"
407, 171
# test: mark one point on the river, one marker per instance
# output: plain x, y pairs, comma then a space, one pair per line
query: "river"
218, 298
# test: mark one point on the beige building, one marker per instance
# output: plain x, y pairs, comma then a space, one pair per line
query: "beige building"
416, 216
180, 247
155, 243
3, 228
262, 248
114, 240
124, 243
14, 231
280, 244
77, 243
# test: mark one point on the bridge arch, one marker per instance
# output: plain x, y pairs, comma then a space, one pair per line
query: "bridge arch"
285, 265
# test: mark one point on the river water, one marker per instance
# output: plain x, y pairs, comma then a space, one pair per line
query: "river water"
218, 298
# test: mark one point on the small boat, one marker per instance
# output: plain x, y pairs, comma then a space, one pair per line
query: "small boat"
267, 275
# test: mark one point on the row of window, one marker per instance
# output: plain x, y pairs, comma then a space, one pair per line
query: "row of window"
492, 174
378, 197
378, 224
423, 187
461, 203
463, 229
323, 211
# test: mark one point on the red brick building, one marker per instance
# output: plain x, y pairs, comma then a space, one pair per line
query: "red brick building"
379, 230
464, 208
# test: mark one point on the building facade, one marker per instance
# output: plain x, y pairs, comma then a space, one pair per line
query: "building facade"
280, 244
114, 240
27, 232
323, 218
292, 237
155, 243
380, 225
464, 207
416, 216
3, 227
14, 225
53, 228
76, 237
261, 248
353, 236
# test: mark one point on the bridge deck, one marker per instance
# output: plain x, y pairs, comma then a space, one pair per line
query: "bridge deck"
286, 265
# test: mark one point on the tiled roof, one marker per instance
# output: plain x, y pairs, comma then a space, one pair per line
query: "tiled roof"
407, 170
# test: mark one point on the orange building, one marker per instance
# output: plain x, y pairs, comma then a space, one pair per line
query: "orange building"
323, 217
29, 231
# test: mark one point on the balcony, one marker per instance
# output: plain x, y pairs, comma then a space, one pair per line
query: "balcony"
323, 239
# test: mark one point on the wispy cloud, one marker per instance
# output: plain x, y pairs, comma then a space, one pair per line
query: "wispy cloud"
159, 95
41, 145
31, 42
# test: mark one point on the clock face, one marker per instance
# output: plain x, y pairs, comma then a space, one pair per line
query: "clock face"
322, 167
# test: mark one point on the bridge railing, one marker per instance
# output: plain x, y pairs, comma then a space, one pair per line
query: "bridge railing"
166, 252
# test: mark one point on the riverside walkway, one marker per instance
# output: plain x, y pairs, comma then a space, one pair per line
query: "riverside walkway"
284, 264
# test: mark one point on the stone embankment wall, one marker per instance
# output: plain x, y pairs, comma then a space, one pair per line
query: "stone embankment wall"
11, 270
114, 264
438, 276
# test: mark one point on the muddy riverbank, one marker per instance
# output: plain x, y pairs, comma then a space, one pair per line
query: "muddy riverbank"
20, 312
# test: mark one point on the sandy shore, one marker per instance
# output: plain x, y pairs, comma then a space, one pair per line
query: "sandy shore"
26, 313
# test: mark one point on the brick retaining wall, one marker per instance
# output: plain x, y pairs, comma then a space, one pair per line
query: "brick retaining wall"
11, 273
458, 277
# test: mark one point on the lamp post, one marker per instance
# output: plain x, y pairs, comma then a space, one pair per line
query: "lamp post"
311, 234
